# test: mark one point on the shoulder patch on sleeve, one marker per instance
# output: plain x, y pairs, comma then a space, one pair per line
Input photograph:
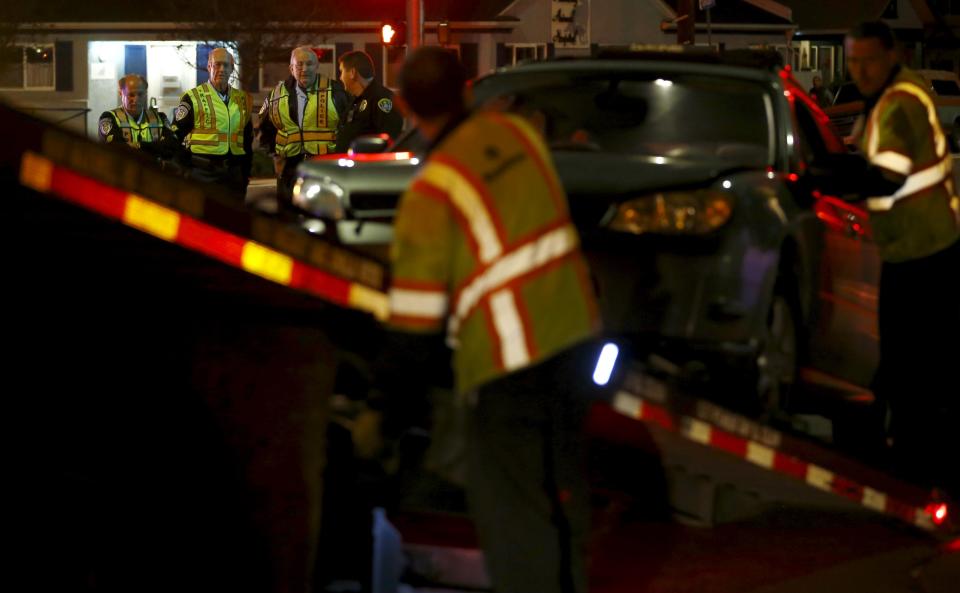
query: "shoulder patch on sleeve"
182, 110
106, 126
385, 105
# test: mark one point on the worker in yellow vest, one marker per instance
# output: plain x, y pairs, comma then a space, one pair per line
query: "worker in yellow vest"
134, 122
213, 121
300, 118
915, 216
485, 251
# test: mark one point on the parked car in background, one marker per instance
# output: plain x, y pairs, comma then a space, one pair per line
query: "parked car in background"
709, 243
943, 85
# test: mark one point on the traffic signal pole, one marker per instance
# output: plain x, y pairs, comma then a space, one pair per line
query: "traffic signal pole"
414, 24
686, 18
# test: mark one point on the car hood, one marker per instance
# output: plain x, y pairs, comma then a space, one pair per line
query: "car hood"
613, 174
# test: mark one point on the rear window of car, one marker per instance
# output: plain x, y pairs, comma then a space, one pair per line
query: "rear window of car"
681, 116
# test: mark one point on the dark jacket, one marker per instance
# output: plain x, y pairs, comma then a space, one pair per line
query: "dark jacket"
373, 112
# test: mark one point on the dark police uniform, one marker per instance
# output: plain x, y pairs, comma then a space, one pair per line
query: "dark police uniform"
372, 112
230, 168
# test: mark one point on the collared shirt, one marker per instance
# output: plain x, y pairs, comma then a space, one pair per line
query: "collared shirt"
301, 104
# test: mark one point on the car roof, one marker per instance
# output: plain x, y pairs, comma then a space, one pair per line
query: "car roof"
651, 64
938, 75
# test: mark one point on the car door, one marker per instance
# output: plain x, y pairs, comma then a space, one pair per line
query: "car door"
844, 346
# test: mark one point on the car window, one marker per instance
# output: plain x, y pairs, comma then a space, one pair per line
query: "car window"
683, 116
947, 88
811, 143
410, 141
847, 93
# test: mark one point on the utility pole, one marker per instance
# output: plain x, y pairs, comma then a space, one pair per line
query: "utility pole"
414, 24
686, 19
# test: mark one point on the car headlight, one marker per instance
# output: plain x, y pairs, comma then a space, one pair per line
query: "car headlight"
695, 212
321, 197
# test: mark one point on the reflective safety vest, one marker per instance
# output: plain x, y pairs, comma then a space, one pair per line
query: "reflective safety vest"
903, 135
218, 127
320, 119
148, 130
483, 244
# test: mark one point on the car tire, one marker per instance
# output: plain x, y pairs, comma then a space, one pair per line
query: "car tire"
778, 357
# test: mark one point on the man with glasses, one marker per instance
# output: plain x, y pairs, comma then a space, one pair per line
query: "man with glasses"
213, 120
300, 118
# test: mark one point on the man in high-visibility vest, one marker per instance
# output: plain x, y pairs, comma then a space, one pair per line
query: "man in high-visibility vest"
484, 249
213, 120
915, 216
134, 122
300, 118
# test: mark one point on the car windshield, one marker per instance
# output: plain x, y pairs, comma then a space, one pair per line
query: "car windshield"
686, 116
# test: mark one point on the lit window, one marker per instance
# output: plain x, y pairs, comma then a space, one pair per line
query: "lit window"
526, 52
27, 67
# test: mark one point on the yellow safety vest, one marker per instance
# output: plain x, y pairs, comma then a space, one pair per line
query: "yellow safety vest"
218, 127
148, 130
903, 135
320, 118
483, 244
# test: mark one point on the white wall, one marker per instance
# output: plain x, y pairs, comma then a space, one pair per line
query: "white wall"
68, 104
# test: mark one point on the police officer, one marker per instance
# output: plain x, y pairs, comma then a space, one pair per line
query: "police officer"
915, 216
300, 118
134, 122
372, 111
507, 281
213, 120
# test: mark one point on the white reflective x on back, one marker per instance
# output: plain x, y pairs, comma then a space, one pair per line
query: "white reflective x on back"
518, 262
514, 352
466, 199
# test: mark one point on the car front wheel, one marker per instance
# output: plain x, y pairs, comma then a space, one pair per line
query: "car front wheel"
777, 359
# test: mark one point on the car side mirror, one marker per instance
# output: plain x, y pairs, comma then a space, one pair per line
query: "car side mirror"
373, 143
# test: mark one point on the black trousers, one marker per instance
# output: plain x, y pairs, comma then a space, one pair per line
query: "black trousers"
230, 174
526, 485
919, 372
285, 181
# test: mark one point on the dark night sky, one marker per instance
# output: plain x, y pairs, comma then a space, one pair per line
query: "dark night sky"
190, 10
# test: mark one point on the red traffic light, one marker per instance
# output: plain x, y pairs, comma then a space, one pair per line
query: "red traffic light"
392, 33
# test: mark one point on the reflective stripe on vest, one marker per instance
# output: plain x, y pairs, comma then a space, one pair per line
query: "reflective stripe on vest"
218, 127
915, 181
317, 135
497, 271
148, 130
466, 197
419, 304
506, 278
